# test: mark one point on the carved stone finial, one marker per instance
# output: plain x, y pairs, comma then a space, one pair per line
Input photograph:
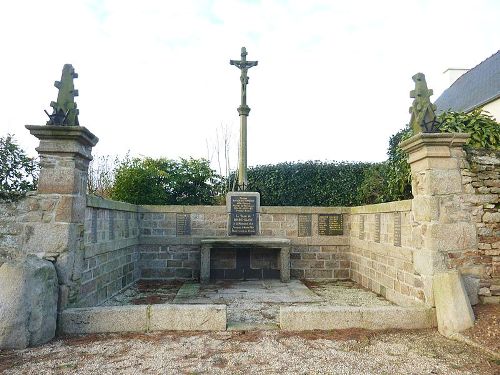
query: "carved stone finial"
64, 110
423, 118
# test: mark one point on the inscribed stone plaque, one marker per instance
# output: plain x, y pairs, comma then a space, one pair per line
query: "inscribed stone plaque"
377, 228
330, 224
397, 229
243, 215
183, 224
361, 227
304, 226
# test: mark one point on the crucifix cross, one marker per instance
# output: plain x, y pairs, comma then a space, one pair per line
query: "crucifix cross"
243, 65
243, 111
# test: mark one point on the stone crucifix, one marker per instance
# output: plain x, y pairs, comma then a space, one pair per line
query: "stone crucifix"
243, 111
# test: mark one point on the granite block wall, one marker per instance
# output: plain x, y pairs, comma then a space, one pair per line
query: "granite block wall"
381, 252
111, 253
165, 252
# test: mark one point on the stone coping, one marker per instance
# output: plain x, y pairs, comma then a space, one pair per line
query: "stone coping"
263, 209
51, 132
98, 202
307, 318
435, 139
397, 206
143, 318
246, 240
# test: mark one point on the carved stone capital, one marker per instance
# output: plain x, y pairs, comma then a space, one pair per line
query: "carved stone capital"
243, 110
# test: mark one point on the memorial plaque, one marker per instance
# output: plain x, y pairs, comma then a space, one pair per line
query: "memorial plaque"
330, 225
304, 226
377, 228
397, 229
243, 215
361, 227
183, 224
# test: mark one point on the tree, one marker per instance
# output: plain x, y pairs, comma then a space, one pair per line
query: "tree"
18, 172
165, 181
101, 175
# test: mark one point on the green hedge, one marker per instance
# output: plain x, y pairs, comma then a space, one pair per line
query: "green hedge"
311, 183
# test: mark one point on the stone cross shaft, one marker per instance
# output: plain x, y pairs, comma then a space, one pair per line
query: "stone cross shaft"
243, 111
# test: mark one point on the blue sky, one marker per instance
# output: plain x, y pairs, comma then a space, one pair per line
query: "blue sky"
332, 83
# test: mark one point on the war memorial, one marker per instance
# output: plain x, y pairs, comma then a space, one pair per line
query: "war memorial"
414, 263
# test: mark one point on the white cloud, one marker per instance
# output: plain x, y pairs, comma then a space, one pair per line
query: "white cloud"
333, 78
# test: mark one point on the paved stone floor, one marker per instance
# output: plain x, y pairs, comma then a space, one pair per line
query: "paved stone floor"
253, 303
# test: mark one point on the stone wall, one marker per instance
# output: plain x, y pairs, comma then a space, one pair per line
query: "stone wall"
481, 179
19, 221
164, 253
111, 252
381, 252
12, 229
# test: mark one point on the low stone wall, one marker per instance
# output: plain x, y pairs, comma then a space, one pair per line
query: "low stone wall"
381, 253
481, 179
111, 252
22, 221
11, 229
167, 253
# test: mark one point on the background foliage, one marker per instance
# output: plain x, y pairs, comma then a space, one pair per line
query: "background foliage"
165, 181
18, 172
311, 183
483, 129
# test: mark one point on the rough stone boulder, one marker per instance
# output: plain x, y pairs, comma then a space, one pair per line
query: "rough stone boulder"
28, 303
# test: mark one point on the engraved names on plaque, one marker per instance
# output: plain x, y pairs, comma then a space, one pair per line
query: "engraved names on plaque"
330, 225
243, 215
361, 227
183, 224
377, 228
304, 224
397, 229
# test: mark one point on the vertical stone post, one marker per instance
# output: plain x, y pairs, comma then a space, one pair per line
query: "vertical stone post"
443, 228
65, 153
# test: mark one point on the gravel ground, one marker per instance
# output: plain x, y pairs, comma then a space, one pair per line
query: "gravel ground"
486, 330
252, 352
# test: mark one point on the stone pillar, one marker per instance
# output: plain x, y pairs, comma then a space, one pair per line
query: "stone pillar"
65, 153
285, 264
442, 227
442, 221
205, 264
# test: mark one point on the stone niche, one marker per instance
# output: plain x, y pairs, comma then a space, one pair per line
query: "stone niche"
245, 263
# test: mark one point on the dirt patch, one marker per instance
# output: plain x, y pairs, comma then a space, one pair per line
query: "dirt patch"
486, 330
8, 360
147, 292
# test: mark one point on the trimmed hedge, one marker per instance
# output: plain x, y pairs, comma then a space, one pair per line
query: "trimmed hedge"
311, 183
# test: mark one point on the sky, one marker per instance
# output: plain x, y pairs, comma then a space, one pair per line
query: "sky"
332, 83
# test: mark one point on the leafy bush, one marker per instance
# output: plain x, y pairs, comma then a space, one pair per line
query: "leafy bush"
483, 129
18, 172
101, 175
165, 181
311, 183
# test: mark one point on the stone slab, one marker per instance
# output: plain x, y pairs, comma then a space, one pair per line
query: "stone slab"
306, 318
105, 319
28, 303
187, 317
453, 309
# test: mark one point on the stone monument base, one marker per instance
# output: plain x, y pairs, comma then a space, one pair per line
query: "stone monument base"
208, 245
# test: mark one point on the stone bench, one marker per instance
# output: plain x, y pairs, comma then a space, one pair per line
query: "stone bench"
244, 242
